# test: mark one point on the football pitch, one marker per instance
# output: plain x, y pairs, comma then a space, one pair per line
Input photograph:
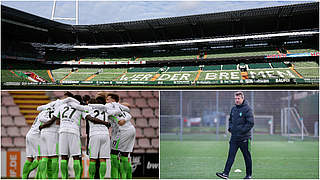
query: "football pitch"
271, 159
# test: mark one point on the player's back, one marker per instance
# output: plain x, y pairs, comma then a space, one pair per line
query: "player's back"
70, 119
127, 117
36, 123
46, 116
99, 113
122, 115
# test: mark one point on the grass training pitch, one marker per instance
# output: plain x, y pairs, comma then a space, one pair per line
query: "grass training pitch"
201, 159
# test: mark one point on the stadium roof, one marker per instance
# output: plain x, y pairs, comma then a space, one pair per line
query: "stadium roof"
270, 19
278, 11
11, 15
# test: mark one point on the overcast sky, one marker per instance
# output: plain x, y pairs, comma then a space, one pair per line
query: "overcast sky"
101, 12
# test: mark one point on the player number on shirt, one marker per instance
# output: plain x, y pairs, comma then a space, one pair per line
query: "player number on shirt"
97, 113
122, 113
66, 109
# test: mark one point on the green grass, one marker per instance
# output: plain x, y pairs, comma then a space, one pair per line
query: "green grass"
271, 159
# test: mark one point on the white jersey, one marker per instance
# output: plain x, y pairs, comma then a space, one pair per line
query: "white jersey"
46, 116
96, 111
49, 110
114, 126
113, 110
35, 126
70, 118
122, 136
97, 129
127, 117
101, 112
123, 115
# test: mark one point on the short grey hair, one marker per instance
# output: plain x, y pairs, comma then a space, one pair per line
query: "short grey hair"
239, 93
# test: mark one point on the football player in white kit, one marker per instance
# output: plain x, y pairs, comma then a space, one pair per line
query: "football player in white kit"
115, 134
99, 143
123, 137
32, 148
69, 136
50, 138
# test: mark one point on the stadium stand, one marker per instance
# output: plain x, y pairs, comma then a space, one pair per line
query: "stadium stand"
229, 67
211, 68
64, 54
153, 69
259, 66
190, 68
174, 69
278, 65
17, 121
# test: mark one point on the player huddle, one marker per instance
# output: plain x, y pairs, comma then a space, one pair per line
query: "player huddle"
57, 129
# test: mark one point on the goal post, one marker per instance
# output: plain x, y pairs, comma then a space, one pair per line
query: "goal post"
292, 123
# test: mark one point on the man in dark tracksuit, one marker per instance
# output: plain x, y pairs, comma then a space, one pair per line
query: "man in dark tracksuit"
240, 124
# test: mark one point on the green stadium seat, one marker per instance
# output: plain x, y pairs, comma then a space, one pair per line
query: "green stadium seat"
212, 68
229, 67
305, 64
152, 69
278, 65
190, 68
259, 66
174, 69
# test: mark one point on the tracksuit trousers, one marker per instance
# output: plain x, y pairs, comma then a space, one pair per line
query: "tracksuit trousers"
245, 147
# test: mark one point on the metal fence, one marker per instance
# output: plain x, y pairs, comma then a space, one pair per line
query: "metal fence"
204, 114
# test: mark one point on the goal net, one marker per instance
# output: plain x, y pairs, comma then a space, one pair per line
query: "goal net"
292, 124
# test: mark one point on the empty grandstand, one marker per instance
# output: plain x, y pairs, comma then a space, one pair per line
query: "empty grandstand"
274, 45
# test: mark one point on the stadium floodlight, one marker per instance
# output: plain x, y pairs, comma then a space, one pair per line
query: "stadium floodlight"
76, 19
233, 38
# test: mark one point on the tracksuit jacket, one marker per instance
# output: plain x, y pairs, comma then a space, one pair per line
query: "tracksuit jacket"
241, 122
